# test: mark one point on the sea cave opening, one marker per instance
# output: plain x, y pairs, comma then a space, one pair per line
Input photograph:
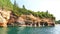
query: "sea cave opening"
43, 23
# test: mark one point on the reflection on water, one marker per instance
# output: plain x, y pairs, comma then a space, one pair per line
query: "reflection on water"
3, 30
30, 30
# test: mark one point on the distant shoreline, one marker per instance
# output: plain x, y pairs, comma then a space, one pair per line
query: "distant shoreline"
57, 24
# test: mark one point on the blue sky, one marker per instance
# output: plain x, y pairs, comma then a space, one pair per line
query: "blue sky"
53, 6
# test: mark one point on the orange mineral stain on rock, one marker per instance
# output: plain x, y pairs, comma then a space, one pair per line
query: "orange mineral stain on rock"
36, 21
4, 17
8, 17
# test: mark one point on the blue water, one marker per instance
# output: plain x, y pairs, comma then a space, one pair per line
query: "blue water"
30, 30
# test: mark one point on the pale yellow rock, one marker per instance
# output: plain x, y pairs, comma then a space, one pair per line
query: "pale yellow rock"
4, 17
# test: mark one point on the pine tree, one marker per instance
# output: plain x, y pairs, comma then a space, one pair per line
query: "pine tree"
24, 7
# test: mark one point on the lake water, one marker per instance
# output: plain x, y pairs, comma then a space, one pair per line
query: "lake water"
30, 30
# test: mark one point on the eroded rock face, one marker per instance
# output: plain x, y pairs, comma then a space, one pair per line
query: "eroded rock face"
20, 20
31, 20
9, 18
12, 20
4, 17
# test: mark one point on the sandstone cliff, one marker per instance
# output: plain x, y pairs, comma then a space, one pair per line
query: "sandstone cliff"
9, 18
30, 20
4, 17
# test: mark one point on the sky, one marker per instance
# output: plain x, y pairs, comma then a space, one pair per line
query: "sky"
53, 6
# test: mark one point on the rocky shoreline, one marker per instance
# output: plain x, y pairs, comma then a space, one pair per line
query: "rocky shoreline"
8, 18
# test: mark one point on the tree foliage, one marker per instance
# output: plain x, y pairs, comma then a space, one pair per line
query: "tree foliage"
57, 22
6, 4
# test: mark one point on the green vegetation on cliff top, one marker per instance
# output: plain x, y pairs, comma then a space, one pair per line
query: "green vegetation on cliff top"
6, 4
